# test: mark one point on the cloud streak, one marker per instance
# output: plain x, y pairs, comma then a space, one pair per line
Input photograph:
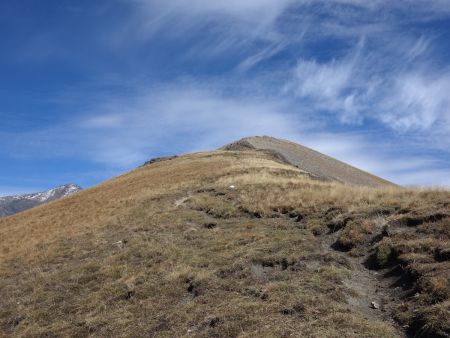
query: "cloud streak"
404, 96
129, 130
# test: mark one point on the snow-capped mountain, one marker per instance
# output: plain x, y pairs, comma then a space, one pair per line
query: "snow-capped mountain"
10, 205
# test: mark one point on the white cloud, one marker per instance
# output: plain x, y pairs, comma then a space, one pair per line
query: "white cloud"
419, 48
322, 81
260, 56
417, 102
259, 12
369, 84
256, 30
334, 86
234, 23
436, 7
122, 132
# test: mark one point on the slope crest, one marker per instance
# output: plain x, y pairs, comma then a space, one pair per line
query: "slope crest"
311, 161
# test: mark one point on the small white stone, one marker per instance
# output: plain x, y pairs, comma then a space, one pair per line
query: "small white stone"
120, 244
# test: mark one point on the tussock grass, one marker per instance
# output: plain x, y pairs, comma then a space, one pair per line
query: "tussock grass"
171, 249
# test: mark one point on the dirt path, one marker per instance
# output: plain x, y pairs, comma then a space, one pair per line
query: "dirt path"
367, 287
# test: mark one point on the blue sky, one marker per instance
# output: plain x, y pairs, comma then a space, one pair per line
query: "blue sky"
91, 89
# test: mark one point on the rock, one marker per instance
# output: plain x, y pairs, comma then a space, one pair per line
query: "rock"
121, 244
159, 159
374, 305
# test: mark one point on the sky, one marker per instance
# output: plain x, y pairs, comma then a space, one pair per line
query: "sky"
92, 89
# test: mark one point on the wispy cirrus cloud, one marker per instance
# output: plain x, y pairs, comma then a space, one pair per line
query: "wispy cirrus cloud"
419, 102
123, 131
225, 24
261, 13
407, 94
258, 30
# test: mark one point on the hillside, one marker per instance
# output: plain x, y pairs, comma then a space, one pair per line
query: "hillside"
228, 244
311, 161
10, 205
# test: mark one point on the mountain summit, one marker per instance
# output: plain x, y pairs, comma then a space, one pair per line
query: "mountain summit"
10, 205
316, 164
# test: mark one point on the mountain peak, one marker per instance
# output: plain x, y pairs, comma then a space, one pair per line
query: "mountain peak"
10, 205
313, 162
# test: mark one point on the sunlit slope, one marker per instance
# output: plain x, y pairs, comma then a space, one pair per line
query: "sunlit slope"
228, 244
311, 161
107, 203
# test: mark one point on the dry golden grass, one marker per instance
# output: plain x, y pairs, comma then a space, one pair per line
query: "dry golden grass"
110, 203
171, 249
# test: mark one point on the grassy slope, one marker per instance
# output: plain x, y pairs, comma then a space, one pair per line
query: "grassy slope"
170, 250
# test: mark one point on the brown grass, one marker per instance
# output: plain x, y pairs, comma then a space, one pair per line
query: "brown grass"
171, 250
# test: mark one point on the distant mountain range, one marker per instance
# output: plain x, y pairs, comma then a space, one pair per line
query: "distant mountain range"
10, 205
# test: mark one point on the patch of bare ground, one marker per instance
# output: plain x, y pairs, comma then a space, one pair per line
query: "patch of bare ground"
228, 244
366, 293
